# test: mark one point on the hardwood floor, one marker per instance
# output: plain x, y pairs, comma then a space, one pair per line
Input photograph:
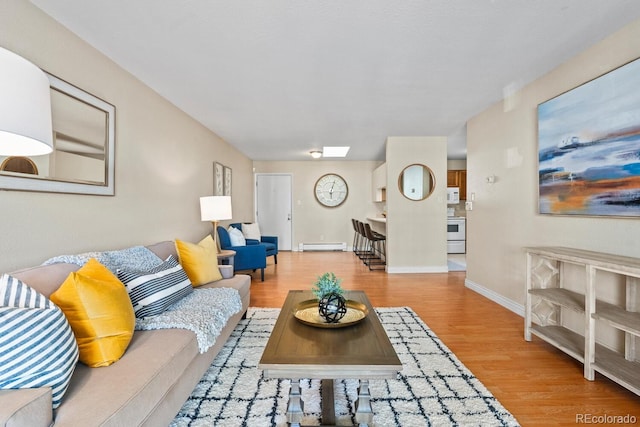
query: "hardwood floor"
537, 383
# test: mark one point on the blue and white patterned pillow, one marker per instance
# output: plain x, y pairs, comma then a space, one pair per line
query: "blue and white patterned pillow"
37, 345
153, 291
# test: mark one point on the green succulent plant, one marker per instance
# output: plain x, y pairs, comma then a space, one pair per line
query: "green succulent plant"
326, 284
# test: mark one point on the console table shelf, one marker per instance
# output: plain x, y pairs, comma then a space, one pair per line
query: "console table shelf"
547, 297
618, 317
562, 338
614, 366
563, 297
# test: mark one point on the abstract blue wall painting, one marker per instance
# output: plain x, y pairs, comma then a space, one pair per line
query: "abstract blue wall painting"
589, 147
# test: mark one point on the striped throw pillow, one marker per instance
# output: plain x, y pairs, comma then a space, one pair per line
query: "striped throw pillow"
153, 291
37, 345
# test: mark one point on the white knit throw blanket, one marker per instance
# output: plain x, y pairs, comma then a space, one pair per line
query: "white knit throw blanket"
203, 311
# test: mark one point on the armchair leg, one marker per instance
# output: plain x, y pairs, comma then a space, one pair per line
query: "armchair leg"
275, 258
262, 274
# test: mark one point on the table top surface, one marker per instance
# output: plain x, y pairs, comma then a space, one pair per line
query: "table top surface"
296, 350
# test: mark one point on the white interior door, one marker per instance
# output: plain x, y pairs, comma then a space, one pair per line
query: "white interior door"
273, 207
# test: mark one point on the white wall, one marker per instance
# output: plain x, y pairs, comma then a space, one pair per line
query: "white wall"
313, 222
502, 141
164, 159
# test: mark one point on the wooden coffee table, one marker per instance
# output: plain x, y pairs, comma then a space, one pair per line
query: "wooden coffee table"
299, 351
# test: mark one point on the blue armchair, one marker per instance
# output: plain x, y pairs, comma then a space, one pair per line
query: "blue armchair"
271, 242
253, 256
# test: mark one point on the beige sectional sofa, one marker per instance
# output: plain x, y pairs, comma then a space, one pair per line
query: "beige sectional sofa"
147, 386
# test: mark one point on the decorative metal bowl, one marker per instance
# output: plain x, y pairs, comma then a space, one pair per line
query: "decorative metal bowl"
332, 307
307, 312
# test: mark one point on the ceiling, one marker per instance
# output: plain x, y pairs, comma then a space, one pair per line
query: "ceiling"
279, 78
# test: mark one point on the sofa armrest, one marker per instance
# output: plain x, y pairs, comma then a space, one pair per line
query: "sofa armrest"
26, 407
249, 257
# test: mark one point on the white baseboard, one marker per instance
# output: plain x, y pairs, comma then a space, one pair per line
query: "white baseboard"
431, 269
323, 246
495, 297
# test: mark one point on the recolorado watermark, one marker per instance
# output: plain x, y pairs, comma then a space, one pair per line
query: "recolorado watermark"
605, 419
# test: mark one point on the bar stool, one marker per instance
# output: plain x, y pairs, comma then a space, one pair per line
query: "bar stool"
377, 248
357, 238
365, 251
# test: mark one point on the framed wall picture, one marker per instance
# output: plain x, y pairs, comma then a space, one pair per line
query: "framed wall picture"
218, 179
589, 147
227, 181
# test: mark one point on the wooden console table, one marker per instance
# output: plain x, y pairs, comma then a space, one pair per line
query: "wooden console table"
547, 297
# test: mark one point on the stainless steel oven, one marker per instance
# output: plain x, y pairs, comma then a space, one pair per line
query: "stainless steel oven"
456, 235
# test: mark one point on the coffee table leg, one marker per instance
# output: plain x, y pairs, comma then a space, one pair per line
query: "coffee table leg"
296, 405
364, 413
328, 403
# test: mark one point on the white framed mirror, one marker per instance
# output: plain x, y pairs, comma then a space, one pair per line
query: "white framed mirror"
83, 157
416, 182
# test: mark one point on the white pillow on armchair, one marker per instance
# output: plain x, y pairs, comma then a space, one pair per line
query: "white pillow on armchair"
251, 231
236, 237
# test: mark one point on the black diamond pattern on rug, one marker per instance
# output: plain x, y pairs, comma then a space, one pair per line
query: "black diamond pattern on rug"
433, 389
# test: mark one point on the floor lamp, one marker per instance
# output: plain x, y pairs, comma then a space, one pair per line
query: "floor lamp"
214, 209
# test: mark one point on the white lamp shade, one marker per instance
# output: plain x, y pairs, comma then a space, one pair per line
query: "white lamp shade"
25, 108
215, 208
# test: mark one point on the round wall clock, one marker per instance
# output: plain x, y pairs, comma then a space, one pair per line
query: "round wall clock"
331, 190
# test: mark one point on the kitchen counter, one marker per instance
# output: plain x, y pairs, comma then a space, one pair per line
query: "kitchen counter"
377, 219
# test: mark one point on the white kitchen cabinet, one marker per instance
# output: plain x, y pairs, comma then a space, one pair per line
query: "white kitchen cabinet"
548, 300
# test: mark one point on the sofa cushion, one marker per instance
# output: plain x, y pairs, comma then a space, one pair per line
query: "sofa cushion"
251, 231
153, 291
45, 278
99, 310
164, 249
269, 246
200, 261
236, 237
26, 407
37, 345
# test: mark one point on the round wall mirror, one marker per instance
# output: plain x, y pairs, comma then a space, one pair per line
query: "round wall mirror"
416, 182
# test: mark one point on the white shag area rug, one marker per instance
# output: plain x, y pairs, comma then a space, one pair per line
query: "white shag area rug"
433, 389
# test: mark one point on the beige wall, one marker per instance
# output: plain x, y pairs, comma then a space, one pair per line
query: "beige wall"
313, 222
503, 142
416, 230
164, 159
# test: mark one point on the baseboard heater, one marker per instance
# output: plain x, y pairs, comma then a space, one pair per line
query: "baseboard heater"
339, 246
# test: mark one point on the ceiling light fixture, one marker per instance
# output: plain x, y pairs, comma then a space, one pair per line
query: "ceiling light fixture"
316, 154
335, 151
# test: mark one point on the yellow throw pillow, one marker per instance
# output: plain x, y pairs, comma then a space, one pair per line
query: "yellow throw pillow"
200, 261
99, 311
